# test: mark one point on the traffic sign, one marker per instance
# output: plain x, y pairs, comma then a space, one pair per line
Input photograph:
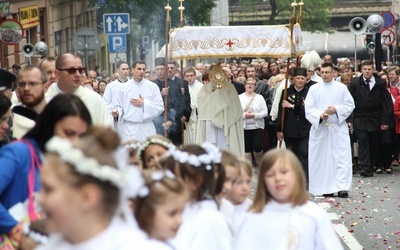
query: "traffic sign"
388, 36
117, 43
388, 18
116, 57
86, 40
116, 23
146, 41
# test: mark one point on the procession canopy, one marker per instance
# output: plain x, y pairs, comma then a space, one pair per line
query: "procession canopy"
236, 41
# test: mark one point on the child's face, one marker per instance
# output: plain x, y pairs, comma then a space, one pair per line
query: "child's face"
61, 202
231, 173
152, 154
280, 181
240, 189
168, 217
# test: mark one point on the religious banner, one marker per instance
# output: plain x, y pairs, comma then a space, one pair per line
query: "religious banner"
235, 41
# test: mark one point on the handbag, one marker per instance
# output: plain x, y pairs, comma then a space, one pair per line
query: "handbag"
11, 240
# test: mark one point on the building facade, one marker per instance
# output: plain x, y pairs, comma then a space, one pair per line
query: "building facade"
51, 21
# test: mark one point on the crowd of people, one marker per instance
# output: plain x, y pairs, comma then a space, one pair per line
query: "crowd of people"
164, 158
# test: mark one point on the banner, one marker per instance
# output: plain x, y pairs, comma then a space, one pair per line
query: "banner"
235, 41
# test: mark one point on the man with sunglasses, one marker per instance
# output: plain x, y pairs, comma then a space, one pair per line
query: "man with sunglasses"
69, 71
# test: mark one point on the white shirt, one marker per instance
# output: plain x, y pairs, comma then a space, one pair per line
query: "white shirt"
258, 107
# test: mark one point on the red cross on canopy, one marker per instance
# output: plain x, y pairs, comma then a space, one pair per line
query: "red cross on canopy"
230, 43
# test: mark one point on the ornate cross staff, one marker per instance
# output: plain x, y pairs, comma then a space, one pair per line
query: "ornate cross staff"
167, 8
181, 8
291, 26
300, 15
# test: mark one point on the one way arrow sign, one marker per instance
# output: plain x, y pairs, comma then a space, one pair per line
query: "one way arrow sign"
116, 23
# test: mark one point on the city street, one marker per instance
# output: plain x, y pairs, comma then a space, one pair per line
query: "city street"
369, 218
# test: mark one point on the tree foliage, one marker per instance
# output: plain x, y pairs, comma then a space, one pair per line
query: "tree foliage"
315, 12
149, 16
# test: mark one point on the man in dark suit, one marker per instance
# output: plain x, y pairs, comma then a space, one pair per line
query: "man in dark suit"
370, 116
178, 97
296, 127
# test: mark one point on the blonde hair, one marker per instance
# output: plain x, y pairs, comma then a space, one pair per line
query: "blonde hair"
159, 190
262, 195
245, 166
251, 79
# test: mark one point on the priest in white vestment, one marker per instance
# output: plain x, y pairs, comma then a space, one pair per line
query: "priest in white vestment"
69, 71
137, 102
220, 118
327, 106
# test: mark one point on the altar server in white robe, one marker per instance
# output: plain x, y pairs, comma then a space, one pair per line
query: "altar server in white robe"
112, 87
282, 217
137, 103
69, 72
203, 227
194, 87
327, 106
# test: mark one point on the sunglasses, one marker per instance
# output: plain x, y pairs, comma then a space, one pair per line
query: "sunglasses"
73, 70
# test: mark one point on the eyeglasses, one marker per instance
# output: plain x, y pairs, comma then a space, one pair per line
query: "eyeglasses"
22, 85
73, 70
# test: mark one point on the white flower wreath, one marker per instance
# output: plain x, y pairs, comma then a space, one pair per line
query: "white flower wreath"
149, 142
129, 179
156, 176
213, 155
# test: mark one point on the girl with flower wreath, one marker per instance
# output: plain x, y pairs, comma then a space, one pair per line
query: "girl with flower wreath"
20, 162
281, 216
85, 195
203, 227
159, 206
152, 149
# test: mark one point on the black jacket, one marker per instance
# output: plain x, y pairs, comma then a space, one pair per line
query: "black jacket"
373, 108
296, 125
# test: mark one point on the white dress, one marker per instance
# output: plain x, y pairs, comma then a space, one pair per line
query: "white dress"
240, 213
116, 236
203, 227
228, 211
284, 227
137, 122
329, 149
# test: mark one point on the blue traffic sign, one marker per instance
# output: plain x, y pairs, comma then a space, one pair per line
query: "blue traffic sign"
388, 18
116, 23
117, 43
